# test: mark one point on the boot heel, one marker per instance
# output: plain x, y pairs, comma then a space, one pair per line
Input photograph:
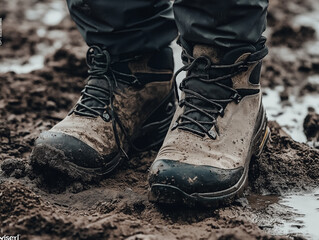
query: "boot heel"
153, 131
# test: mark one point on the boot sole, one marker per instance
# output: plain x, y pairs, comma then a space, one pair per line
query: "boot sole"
149, 136
168, 194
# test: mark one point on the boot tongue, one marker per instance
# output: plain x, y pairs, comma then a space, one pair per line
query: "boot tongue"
221, 56
217, 56
213, 54
208, 90
101, 83
91, 102
211, 90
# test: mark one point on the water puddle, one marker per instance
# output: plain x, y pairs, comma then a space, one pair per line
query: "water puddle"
50, 14
34, 62
290, 114
306, 210
293, 215
44, 15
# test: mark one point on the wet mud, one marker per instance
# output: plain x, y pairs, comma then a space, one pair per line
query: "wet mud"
42, 71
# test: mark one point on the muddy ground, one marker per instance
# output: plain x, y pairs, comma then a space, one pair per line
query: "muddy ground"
42, 71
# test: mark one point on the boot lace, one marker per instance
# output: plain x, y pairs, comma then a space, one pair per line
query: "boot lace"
99, 62
213, 107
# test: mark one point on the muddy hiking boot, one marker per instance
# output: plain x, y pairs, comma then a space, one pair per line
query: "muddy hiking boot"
125, 107
219, 125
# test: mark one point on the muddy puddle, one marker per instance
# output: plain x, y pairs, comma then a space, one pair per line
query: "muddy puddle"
290, 114
305, 207
293, 215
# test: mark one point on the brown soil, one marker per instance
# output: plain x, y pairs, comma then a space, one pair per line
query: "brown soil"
117, 207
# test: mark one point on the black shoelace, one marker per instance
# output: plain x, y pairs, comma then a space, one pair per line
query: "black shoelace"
216, 107
99, 62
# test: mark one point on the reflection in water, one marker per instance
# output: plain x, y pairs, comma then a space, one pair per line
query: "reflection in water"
294, 215
306, 209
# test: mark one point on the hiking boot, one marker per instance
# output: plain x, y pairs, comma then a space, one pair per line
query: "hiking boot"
126, 106
219, 125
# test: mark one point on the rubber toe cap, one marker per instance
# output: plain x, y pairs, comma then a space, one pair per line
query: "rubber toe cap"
71, 148
193, 178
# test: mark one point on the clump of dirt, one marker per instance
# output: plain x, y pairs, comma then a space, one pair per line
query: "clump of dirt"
291, 37
309, 88
284, 166
311, 126
14, 168
5, 133
68, 60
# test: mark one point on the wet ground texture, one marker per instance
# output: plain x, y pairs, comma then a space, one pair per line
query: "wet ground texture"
42, 71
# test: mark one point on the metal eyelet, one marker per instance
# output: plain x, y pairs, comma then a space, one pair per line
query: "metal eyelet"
181, 103
243, 68
106, 116
175, 124
212, 134
169, 107
237, 97
136, 83
221, 112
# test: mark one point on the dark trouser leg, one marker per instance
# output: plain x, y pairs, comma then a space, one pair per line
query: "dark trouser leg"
125, 27
228, 23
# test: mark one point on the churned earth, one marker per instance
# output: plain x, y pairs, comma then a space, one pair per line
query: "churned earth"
42, 71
